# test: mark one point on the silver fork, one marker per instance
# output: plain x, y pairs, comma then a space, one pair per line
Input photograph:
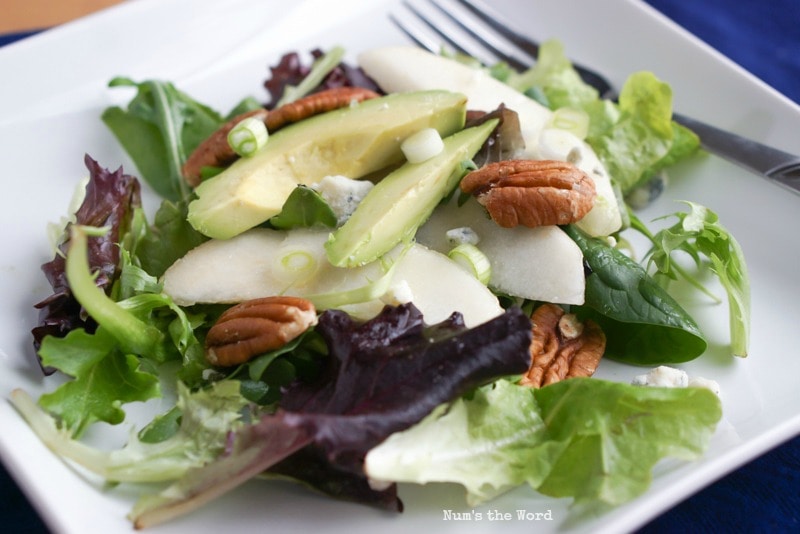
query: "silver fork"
477, 31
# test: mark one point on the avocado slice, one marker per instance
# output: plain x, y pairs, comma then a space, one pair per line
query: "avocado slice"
394, 209
353, 141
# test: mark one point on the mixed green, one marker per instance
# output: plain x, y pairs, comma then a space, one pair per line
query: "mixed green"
352, 401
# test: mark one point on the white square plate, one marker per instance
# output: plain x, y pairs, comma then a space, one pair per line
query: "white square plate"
219, 51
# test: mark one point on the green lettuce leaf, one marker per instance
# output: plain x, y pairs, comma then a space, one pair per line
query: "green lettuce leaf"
104, 380
483, 442
117, 364
611, 436
592, 440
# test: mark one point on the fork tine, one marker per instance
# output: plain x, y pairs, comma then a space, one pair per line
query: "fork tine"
434, 28
469, 29
500, 27
531, 47
430, 46
528, 45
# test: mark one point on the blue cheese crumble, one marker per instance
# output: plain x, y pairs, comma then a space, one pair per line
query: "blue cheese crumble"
342, 194
669, 377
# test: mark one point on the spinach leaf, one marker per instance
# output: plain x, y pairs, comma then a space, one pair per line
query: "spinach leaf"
305, 208
644, 325
169, 238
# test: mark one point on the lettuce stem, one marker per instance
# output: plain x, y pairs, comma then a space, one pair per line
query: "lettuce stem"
135, 335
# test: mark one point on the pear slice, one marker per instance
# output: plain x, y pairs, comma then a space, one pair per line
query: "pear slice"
534, 263
264, 262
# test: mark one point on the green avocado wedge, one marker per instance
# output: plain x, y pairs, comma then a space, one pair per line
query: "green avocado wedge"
401, 202
353, 141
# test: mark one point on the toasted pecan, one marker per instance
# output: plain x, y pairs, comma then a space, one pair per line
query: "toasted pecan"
532, 192
257, 326
316, 103
562, 347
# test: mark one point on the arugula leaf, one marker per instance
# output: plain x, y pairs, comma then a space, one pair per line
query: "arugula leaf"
160, 128
697, 233
643, 324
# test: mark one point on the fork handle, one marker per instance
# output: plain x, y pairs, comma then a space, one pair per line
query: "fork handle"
756, 157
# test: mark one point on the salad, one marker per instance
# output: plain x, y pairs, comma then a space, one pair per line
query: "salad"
411, 308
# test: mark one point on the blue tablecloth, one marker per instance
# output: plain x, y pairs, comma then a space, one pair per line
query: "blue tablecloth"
763, 496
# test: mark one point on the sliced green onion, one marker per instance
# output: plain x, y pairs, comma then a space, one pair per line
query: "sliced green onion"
471, 258
321, 68
372, 290
297, 266
422, 145
248, 136
575, 121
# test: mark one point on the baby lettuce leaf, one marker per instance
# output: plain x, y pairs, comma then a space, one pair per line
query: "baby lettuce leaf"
643, 324
127, 325
198, 429
102, 382
110, 202
384, 375
105, 366
589, 439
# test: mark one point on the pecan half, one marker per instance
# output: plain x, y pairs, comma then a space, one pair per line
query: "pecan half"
216, 152
532, 192
562, 347
316, 103
257, 326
